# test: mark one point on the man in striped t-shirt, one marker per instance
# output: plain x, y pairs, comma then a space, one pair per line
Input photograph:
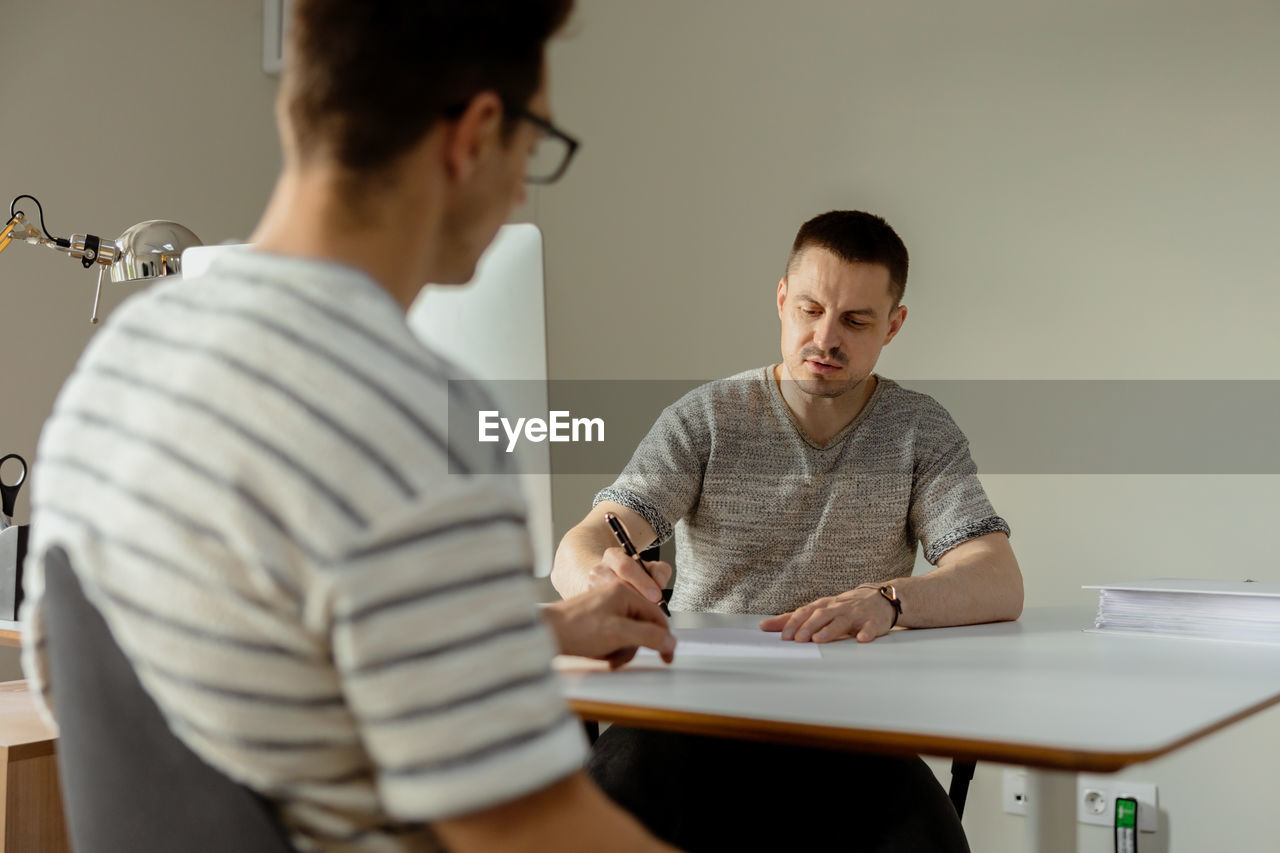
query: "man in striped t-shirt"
251, 476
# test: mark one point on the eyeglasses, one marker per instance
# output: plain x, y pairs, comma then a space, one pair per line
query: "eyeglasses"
551, 155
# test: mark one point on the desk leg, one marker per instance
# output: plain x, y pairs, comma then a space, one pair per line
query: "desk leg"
1051, 811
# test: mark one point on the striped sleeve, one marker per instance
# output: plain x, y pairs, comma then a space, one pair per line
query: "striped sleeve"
444, 660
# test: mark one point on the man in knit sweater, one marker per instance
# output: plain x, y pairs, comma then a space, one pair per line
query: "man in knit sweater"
801, 490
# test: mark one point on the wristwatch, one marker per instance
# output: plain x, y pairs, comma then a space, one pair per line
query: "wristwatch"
890, 594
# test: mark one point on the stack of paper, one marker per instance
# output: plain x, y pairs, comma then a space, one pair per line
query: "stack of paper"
1214, 609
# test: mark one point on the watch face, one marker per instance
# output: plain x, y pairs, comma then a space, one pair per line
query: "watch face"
890, 592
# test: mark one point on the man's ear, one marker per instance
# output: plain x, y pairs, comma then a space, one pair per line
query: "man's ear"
897, 317
470, 137
782, 294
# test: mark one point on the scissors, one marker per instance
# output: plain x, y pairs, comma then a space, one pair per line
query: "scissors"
9, 491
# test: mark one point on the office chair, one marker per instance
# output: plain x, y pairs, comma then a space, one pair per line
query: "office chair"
128, 783
961, 775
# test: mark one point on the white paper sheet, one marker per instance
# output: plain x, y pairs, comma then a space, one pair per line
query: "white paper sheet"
742, 643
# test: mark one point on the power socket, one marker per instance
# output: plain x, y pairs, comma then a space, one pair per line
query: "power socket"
1095, 798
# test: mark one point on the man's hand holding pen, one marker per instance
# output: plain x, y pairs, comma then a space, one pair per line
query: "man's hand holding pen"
619, 531
615, 566
610, 622
608, 586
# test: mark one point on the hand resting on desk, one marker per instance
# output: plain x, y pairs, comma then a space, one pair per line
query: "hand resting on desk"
863, 613
610, 622
976, 581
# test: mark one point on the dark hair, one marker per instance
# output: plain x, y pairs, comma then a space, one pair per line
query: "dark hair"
856, 237
364, 81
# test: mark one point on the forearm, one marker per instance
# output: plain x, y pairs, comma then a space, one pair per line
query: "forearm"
584, 546
580, 549
978, 581
571, 815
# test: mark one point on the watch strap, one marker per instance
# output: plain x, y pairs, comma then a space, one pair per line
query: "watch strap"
889, 593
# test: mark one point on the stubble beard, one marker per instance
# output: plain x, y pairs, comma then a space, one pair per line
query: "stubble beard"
819, 387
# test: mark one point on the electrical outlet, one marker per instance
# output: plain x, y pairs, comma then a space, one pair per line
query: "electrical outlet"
1095, 798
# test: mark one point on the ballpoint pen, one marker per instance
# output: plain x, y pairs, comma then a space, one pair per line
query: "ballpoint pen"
620, 533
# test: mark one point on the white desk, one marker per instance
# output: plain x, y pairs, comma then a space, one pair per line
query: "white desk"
1039, 692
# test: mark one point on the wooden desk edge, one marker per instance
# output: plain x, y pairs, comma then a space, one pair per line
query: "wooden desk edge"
10, 638
37, 749
893, 743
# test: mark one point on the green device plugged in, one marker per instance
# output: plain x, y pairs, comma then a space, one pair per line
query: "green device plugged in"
1126, 825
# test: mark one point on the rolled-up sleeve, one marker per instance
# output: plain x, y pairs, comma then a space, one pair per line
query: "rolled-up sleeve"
949, 506
663, 480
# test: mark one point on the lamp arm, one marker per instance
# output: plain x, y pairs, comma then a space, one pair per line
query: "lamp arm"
88, 248
6, 236
147, 250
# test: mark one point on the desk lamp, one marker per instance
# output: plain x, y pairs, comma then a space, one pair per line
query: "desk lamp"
148, 250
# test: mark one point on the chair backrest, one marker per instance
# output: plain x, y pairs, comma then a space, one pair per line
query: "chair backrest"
128, 782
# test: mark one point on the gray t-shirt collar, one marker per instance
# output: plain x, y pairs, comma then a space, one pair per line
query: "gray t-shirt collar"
780, 406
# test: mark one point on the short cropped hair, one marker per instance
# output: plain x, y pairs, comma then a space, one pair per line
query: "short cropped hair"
856, 237
364, 82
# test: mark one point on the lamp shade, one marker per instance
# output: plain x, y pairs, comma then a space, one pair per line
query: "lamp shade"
152, 249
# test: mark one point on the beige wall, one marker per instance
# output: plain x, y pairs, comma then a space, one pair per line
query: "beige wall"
1088, 190
115, 113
